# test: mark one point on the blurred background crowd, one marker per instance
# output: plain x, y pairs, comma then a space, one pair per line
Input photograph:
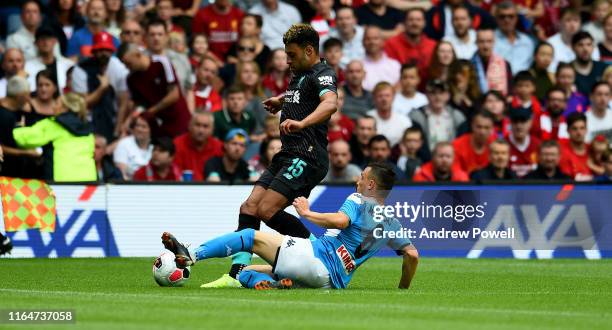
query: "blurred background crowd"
172, 90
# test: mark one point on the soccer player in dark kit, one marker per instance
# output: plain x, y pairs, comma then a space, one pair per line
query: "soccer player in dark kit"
302, 162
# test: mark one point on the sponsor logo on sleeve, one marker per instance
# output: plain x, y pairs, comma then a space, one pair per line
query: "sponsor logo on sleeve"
347, 260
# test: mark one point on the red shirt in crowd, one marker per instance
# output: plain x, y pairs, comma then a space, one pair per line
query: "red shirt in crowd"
425, 174
150, 86
545, 129
524, 159
221, 29
269, 82
207, 98
187, 157
466, 157
404, 51
345, 132
146, 173
573, 164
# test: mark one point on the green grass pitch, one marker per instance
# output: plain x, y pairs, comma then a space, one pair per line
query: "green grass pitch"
446, 294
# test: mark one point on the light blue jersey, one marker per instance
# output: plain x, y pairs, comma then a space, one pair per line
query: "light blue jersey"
343, 253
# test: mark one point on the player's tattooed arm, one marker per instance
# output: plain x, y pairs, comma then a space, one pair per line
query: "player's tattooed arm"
338, 220
409, 266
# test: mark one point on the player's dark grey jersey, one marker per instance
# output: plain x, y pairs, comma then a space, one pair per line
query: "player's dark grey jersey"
301, 99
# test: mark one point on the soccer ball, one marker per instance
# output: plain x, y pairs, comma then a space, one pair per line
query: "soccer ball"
166, 273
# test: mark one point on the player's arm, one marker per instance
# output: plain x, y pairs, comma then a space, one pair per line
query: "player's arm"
274, 104
338, 220
324, 110
409, 266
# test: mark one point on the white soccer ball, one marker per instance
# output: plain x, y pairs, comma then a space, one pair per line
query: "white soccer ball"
166, 273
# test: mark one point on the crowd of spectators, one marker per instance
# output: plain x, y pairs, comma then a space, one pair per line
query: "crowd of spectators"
172, 90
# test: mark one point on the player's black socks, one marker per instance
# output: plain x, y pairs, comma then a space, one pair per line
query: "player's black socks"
246, 221
236, 269
287, 224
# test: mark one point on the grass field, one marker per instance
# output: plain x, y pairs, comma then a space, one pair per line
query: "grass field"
446, 293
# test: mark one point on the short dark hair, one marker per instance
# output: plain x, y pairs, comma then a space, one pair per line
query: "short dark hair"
575, 117
412, 129
483, 114
156, 22
549, 144
420, 10
540, 45
564, 65
302, 35
408, 66
36, 2
235, 89
384, 176
579, 36
569, 11
332, 42
258, 19
553, 90
165, 144
597, 84
345, 7
379, 138
524, 76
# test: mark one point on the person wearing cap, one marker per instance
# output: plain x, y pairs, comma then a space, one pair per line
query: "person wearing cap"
161, 167
68, 141
80, 44
101, 79
523, 145
46, 42
24, 37
231, 168
438, 120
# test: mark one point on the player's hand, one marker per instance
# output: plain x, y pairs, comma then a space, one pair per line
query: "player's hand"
301, 206
273, 104
291, 126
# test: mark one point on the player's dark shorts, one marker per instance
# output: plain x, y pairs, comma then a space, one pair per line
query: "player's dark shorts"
292, 176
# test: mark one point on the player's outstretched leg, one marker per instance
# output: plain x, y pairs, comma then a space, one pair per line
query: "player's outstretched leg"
183, 257
261, 281
5, 244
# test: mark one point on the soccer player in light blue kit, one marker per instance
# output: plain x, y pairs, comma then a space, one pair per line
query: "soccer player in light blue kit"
329, 262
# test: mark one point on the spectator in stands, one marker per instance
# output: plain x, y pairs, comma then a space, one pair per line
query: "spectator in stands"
441, 59
332, 54
599, 10
408, 98
380, 151
12, 116
365, 129
276, 79
440, 168
350, 34
323, 20
549, 155
157, 45
409, 161
101, 79
588, 71
220, 22
44, 103
165, 12
134, 151
231, 168
46, 41
464, 87
80, 44
524, 87
278, 17
494, 73
495, 104
131, 32
107, 171
64, 18
245, 53
412, 46
198, 145
464, 37
340, 127
234, 114
607, 162
71, 156
357, 100
472, 149
605, 46
340, 168
575, 151
161, 166
377, 13
13, 64
523, 145
250, 29
514, 46
544, 79
551, 125
565, 77
439, 19
267, 150
203, 95
154, 89
438, 120
116, 16
599, 117
249, 79
388, 122
598, 147
201, 51
562, 41
377, 64
24, 37
498, 168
